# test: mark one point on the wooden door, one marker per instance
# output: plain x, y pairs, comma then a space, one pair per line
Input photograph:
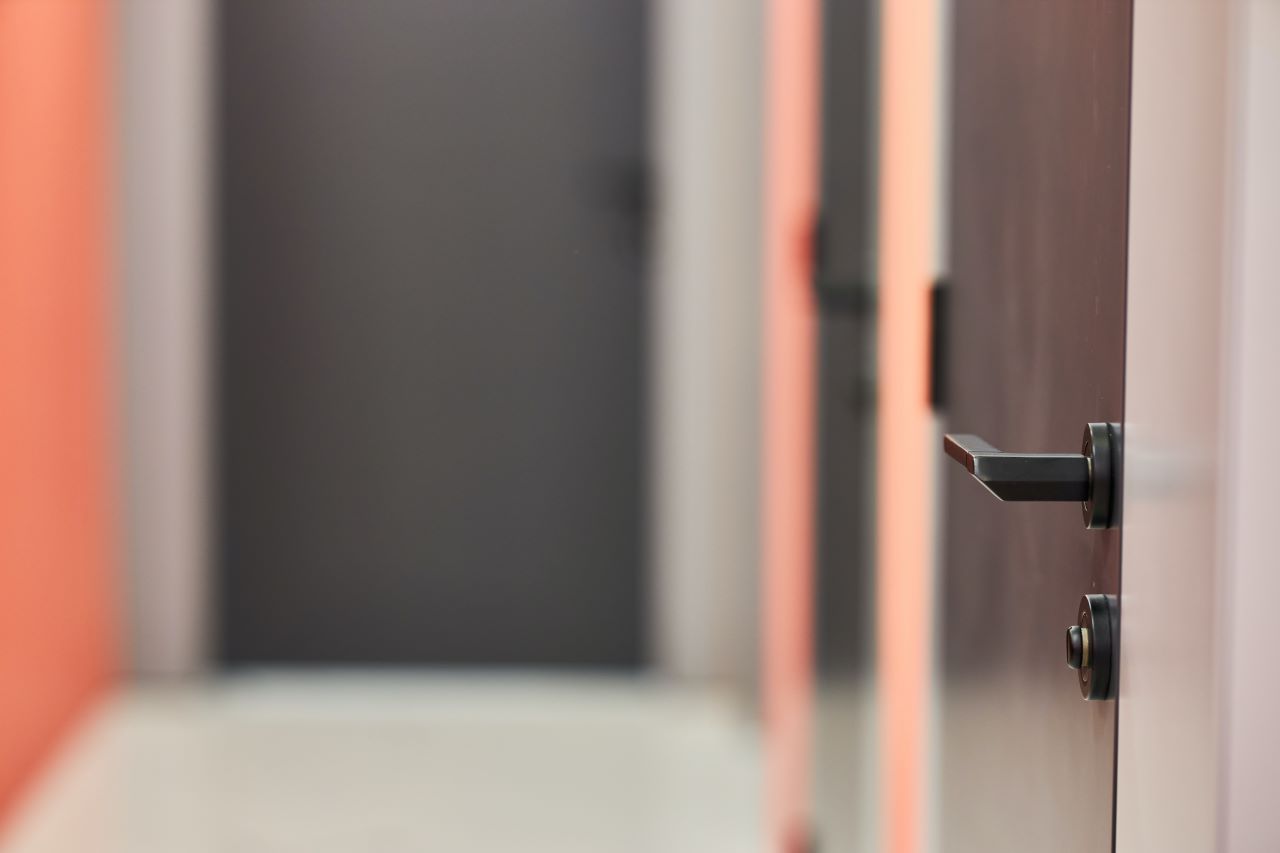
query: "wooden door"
1040, 123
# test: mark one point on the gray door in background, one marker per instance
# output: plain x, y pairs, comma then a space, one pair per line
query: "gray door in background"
430, 326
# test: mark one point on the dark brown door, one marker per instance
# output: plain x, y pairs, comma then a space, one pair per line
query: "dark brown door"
1040, 118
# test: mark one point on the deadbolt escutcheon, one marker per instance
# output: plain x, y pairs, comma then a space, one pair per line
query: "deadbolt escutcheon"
1092, 644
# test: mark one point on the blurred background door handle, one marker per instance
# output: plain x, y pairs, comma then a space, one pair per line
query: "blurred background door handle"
1084, 476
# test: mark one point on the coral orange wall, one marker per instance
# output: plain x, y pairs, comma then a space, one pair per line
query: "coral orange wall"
790, 343
910, 52
56, 632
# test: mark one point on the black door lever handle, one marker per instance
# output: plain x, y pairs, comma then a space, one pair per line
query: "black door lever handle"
1084, 477
1022, 476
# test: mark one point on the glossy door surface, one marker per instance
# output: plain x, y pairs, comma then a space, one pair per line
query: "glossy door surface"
1038, 239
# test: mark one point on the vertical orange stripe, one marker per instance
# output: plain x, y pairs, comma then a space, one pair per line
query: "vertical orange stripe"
908, 205
791, 164
55, 525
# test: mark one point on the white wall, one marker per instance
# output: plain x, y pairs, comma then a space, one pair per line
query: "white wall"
1197, 744
1172, 445
163, 73
705, 338
1249, 819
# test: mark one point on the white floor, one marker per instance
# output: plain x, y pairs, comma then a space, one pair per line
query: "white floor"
384, 763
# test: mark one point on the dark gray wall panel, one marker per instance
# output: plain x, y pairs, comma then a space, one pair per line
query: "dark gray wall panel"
431, 330
846, 470
845, 803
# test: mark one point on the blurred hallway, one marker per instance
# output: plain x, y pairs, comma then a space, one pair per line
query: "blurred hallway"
400, 761
576, 425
